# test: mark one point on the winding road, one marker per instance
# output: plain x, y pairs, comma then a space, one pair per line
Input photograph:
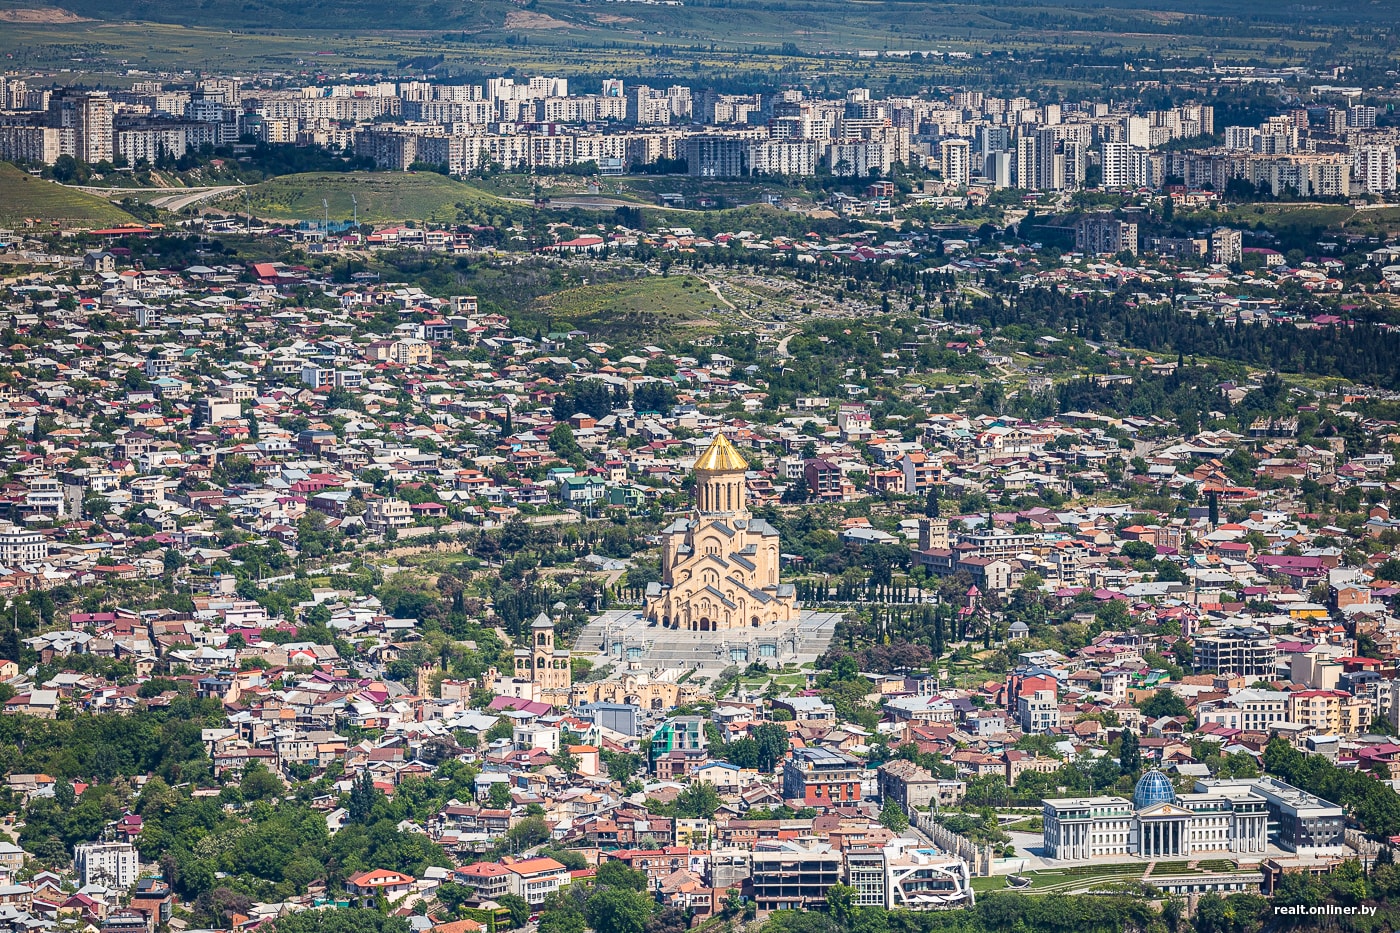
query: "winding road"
171, 199
783, 345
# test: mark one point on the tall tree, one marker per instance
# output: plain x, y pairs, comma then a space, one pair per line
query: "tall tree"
363, 797
518, 907
772, 742
1130, 754
618, 910
797, 491
699, 801
893, 817
841, 903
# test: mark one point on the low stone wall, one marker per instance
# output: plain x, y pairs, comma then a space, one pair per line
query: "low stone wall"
978, 858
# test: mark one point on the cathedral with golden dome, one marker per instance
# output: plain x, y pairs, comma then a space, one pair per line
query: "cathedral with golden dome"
719, 565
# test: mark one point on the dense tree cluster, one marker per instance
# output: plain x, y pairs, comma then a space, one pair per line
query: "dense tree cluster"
1373, 803
340, 921
252, 841
764, 747
1063, 914
590, 397
102, 748
616, 902
1366, 352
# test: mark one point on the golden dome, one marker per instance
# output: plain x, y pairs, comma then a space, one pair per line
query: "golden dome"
721, 457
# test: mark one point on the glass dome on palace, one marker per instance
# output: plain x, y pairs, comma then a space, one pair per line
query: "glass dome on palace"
1153, 788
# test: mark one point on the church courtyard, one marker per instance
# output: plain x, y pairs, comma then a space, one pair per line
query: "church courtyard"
625, 639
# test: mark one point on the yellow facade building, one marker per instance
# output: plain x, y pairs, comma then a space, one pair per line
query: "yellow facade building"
545, 666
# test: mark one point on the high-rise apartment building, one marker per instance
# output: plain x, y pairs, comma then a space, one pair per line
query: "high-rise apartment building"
89, 115
956, 156
1117, 164
1226, 246
1373, 169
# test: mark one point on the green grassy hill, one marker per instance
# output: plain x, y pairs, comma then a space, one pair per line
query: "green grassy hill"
1298, 225
22, 196
653, 307
383, 197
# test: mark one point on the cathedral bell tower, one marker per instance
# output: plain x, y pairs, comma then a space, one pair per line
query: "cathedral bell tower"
549, 667
719, 480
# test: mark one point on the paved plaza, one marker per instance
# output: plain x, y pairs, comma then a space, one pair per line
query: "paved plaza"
625, 638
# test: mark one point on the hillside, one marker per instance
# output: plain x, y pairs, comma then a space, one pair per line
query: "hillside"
737, 20
22, 196
279, 14
382, 197
652, 307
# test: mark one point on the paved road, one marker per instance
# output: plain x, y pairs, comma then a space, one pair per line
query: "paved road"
173, 199
181, 201
718, 294
594, 202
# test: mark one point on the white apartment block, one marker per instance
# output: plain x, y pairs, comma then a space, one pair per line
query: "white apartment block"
1250, 710
110, 864
31, 143
1362, 117
783, 157
1038, 712
89, 116
956, 158
860, 158
151, 142
1116, 161
1241, 137
1373, 169
1226, 246
21, 545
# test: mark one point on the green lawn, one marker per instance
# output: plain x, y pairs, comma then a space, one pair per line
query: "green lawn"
1385, 220
383, 197
1086, 871
1033, 824
646, 188
1170, 868
1215, 864
1058, 880
649, 308
1046, 882
24, 196
1081, 877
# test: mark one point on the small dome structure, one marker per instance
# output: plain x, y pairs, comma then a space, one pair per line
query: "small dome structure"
1153, 788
